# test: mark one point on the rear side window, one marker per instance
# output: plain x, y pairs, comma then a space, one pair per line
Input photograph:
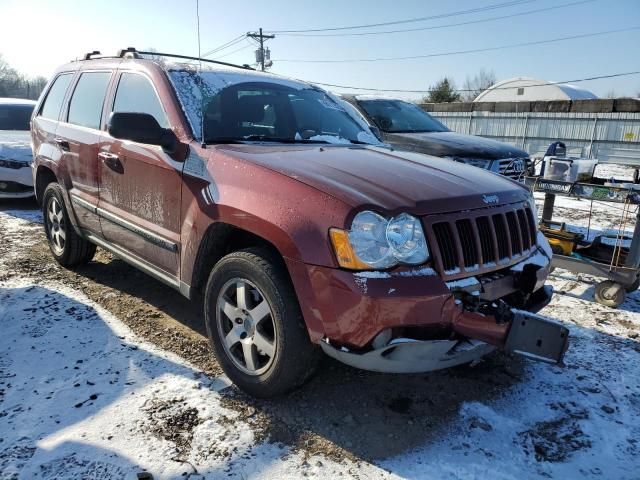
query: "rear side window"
136, 94
86, 104
15, 117
53, 102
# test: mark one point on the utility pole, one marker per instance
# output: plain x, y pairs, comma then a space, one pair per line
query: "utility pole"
260, 54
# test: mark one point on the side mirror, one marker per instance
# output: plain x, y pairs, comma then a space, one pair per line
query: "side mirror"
142, 128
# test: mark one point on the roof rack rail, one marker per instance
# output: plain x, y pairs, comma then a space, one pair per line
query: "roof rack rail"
87, 56
187, 57
129, 52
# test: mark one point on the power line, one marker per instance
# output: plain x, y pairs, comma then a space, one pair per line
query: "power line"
461, 52
437, 27
244, 47
413, 20
230, 43
397, 90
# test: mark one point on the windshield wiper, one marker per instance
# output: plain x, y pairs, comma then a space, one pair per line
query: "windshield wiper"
266, 138
258, 138
222, 140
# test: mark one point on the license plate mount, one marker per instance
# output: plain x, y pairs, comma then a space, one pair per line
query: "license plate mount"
538, 338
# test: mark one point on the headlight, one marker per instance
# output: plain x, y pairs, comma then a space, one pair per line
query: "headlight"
375, 242
406, 239
368, 237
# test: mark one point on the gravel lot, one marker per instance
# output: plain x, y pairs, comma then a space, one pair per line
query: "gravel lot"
105, 372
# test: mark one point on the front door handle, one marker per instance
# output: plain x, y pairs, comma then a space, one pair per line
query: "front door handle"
112, 161
62, 143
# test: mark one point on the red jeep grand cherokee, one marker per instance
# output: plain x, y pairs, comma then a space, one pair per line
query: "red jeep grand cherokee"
304, 236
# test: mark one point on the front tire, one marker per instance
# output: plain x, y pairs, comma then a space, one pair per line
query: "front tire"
68, 248
255, 325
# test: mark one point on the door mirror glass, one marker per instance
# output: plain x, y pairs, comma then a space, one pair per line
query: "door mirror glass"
141, 128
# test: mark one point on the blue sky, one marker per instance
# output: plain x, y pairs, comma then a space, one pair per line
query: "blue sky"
42, 34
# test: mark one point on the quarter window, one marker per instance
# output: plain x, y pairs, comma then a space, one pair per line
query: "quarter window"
136, 94
86, 104
53, 102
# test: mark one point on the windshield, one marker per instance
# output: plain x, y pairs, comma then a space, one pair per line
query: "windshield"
246, 107
15, 117
396, 116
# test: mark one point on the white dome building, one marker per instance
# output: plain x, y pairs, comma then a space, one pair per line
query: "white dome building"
525, 89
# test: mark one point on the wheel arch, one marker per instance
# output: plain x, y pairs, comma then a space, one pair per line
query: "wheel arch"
220, 239
44, 176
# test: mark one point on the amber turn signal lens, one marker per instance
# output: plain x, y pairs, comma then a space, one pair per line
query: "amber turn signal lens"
347, 258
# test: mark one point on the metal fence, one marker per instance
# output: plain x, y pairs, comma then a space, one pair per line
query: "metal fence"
606, 136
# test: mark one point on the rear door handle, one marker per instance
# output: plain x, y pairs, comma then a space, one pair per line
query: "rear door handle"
112, 161
62, 143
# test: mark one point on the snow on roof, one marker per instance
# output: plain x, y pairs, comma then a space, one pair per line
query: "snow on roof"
536, 89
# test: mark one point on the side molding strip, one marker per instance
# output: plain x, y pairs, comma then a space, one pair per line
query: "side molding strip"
143, 232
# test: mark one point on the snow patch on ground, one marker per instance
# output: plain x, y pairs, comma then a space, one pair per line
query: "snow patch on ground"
82, 397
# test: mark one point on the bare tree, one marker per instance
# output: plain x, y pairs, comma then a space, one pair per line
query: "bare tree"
610, 94
477, 84
17, 85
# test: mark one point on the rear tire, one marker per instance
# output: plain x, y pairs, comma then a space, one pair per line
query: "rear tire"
67, 247
255, 325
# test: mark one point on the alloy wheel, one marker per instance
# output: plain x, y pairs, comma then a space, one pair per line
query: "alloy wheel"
56, 226
246, 327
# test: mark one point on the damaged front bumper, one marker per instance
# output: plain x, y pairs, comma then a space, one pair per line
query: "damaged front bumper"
404, 355
412, 321
514, 331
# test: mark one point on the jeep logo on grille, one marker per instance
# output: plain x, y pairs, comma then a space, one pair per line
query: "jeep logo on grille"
490, 198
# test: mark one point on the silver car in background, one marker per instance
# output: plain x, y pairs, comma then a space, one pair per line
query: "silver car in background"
15, 148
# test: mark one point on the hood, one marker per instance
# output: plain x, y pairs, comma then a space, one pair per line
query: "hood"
391, 180
15, 145
451, 144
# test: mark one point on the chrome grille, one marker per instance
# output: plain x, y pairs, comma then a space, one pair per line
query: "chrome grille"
514, 167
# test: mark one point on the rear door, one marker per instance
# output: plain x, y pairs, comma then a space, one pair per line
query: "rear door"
141, 185
78, 138
45, 121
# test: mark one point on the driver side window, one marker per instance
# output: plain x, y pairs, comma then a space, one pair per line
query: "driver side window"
136, 94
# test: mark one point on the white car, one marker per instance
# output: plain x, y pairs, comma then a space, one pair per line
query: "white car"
16, 180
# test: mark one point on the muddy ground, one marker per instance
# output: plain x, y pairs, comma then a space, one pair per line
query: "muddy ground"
342, 413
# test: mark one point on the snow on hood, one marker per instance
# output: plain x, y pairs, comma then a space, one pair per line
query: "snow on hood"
15, 145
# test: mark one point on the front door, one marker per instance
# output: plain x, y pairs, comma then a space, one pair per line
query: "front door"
140, 187
78, 136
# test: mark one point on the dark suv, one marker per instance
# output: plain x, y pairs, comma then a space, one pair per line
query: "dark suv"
405, 126
262, 194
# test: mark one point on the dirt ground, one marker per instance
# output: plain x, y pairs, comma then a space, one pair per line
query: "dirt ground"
342, 414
